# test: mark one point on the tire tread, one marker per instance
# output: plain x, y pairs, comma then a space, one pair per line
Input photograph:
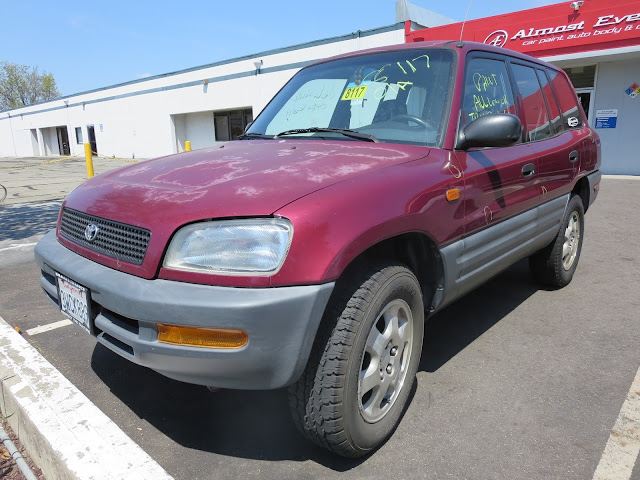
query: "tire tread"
316, 399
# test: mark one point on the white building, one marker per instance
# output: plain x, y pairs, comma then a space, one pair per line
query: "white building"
156, 115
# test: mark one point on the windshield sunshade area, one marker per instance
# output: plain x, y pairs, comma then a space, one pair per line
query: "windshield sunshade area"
399, 96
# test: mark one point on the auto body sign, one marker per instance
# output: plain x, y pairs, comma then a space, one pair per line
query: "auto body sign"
559, 27
604, 25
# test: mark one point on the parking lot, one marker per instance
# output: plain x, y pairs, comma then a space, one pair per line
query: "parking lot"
515, 382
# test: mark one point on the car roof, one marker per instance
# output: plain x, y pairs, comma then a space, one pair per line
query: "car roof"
463, 47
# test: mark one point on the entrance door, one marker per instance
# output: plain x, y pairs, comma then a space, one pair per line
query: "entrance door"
63, 141
92, 139
585, 97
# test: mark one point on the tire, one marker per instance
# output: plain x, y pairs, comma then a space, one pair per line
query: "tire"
329, 404
555, 264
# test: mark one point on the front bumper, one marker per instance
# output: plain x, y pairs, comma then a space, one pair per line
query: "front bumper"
281, 322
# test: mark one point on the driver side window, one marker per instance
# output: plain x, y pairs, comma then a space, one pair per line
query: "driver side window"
487, 90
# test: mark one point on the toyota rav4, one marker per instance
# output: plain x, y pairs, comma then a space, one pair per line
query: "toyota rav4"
375, 189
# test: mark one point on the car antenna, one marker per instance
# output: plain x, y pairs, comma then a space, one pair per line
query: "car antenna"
460, 44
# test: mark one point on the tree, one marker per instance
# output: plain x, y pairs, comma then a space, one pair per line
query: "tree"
22, 85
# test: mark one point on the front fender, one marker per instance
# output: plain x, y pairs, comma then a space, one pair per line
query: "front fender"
336, 224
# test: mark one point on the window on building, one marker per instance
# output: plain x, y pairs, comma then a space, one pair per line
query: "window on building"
79, 135
231, 123
582, 77
566, 95
487, 90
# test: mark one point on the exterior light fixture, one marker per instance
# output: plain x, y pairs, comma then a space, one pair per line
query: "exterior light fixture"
258, 65
576, 5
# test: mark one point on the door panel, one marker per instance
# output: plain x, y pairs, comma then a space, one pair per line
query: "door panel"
495, 187
557, 170
562, 157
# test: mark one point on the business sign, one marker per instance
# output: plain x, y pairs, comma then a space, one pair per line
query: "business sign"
607, 118
554, 29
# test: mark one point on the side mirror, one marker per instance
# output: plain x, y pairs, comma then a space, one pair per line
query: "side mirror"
497, 130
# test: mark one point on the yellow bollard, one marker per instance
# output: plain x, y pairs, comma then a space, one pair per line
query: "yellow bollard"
187, 146
88, 155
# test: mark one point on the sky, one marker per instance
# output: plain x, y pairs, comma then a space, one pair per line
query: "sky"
87, 45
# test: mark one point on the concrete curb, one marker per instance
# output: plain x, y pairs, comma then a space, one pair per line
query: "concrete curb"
65, 434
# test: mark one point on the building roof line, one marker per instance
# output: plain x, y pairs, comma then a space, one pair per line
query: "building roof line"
192, 83
275, 51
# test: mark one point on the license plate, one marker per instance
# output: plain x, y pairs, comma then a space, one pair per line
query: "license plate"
74, 301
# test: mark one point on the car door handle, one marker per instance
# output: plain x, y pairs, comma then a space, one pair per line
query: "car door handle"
573, 156
528, 170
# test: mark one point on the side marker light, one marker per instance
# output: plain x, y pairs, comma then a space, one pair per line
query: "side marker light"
453, 194
202, 337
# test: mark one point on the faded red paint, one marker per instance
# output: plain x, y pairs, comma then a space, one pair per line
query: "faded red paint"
341, 196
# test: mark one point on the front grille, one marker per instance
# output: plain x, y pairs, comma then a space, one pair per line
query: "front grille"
114, 239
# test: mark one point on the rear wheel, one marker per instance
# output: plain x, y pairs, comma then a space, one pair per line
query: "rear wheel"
555, 264
357, 381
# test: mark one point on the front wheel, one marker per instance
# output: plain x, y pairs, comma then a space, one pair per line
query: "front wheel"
555, 264
354, 389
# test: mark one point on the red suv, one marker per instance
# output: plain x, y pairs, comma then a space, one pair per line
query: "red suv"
373, 190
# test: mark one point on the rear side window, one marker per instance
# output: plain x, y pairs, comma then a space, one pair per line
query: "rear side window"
554, 110
486, 90
537, 125
571, 117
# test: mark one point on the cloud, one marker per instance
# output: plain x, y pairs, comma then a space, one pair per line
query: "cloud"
143, 75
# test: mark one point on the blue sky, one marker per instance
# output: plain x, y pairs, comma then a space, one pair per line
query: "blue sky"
89, 45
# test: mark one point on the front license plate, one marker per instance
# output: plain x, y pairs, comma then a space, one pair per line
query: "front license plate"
74, 301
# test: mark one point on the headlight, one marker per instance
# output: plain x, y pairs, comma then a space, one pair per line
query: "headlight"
231, 247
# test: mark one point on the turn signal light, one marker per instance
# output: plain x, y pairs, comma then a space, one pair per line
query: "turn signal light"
202, 337
453, 194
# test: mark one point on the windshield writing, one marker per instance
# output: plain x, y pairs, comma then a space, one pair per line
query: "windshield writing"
398, 96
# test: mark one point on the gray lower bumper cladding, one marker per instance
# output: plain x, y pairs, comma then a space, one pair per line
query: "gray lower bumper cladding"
281, 322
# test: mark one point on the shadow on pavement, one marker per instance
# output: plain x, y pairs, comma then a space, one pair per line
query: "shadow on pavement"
256, 424
244, 424
23, 220
458, 325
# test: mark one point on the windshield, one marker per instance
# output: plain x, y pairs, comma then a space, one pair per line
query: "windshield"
399, 96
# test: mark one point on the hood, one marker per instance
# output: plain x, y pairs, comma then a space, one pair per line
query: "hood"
242, 178
235, 179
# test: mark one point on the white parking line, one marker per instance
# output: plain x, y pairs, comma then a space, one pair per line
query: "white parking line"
622, 449
51, 326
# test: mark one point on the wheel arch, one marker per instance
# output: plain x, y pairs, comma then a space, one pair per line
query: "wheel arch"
581, 188
417, 251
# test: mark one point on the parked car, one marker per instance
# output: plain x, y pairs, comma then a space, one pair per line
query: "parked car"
375, 189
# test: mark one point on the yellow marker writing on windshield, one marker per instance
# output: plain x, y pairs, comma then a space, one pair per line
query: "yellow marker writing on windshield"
353, 93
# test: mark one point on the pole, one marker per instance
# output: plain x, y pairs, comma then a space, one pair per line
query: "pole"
88, 155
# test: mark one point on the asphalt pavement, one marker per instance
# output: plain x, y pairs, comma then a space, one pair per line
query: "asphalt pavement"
515, 382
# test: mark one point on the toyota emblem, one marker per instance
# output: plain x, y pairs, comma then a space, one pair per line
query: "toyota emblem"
91, 232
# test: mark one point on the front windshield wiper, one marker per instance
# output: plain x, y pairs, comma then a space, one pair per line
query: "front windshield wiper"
252, 135
343, 131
